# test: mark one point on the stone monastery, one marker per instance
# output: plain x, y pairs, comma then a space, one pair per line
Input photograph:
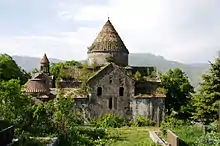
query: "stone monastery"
113, 86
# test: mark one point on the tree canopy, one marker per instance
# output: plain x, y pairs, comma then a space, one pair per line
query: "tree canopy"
10, 70
178, 92
206, 102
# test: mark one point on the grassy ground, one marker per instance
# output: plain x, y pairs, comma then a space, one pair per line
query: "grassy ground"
132, 136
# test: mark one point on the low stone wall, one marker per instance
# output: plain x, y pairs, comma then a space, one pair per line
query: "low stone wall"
155, 138
172, 138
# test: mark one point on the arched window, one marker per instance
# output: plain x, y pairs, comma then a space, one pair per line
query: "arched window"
99, 91
110, 103
121, 91
110, 79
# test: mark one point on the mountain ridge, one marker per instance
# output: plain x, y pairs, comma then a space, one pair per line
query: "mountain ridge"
194, 70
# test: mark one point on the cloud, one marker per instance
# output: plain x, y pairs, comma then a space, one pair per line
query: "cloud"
186, 31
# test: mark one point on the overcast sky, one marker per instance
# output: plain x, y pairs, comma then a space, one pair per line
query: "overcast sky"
182, 30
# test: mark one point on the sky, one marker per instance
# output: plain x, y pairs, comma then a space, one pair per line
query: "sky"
187, 31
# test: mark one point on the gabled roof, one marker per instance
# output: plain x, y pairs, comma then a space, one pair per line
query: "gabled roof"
107, 68
44, 59
108, 40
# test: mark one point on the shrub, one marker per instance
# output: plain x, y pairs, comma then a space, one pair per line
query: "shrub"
83, 136
143, 121
109, 120
171, 123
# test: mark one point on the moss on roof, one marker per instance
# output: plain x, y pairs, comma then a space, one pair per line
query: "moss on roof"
73, 93
158, 92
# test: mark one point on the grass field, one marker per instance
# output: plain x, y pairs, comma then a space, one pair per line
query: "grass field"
132, 136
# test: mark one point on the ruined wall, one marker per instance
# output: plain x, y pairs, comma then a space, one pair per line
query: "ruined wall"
110, 100
152, 108
145, 87
120, 58
69, 84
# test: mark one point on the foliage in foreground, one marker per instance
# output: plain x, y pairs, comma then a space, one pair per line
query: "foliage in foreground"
190, 134
49, 119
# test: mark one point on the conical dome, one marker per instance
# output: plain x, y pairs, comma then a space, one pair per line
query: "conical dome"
108, 40
44, 60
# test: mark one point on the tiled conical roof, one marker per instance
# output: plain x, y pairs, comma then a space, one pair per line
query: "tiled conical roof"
108, 40
36, 86
45, 60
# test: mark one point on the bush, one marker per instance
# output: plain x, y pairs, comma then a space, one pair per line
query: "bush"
143, 121
109, 120
81, 136
171, 123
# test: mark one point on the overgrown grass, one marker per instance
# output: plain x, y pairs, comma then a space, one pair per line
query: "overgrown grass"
189, 134
131, 136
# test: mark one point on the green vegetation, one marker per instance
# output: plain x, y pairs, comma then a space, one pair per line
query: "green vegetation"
137, 76
179, 93
10, 70
194, 71
109, 59
183, 106
130, 136
207, 101
190, 134
117, 121
141, 121
109, 120
58, 69
59, 119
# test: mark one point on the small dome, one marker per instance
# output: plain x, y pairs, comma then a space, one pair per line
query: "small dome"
36, 86
108, 40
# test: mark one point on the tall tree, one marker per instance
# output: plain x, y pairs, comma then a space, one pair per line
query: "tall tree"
13, 104
178, 92
10, 70
207, 100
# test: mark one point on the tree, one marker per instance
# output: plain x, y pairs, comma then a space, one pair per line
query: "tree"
178, 92
207, 100
15, 106
35, 70
10, 70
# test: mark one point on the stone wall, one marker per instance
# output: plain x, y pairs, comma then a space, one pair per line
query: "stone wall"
152, 108
110, 100
100, 58
172, 138
69, 84
145, 87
